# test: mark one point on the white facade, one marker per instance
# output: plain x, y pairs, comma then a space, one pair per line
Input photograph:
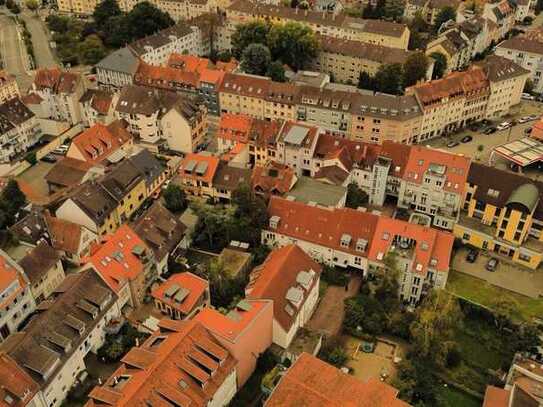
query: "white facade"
226, 392
19, 137
61, 106
532, 61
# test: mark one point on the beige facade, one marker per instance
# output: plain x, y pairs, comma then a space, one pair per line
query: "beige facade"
8, 87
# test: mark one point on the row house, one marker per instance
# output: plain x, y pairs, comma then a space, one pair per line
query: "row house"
344, 60
53, 346
96, 106
181, 362
289, 278
59, 93
162, 118
16, 300
18, 387
503, 213
480, 33
337, 25
528, 53
19, 129
503, 13
296, 146
126, 265
362, 240
8, 87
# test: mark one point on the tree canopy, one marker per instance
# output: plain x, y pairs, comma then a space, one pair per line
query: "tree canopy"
256, 59
445, 14
105, 10
174, 198
276, 72
11, 201
254, 32
389, 79
414, 68
355, 196
440, 64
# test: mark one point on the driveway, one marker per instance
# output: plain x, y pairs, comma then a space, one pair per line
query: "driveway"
508, 276
328, 317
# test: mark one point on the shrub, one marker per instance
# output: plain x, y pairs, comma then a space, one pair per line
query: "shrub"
334, 276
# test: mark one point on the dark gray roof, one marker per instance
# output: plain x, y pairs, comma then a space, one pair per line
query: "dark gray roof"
160, 39
143, 100
31, 228
500, 69
121, 179
13, 113
148, 165
94, 200
39, 261
123, 60
229, 177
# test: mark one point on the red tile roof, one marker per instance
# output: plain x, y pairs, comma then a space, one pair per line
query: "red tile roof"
175, 373
277, 275
195, 285
8, 274
323, 226
348, 152
232, 325
209, 161
56, 80
227, 67
312, 382
213, 76
275, 178
165, 77
15, 383
115, 259
65, 235
235, 127
496, 397
188, 63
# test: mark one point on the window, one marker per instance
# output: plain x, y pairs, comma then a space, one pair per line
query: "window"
466, 236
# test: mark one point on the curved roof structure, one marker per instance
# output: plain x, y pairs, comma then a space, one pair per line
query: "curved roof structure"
526, 195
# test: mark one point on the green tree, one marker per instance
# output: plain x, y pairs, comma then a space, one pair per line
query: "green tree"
32, 5
414, 68
394, 9
174, 198
538, 6
529, 86
276, 72
105, 10
418, 23
293, 43
440, 64
389, 79
365, 81
145, 19
445, 14
355, 196
368, 12
504, 309
11, 201
92, 50
256, 59
254, 32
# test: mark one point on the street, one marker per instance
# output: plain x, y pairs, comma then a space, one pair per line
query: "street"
13, 53
40, 40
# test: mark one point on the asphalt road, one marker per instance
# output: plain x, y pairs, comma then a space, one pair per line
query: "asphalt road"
40, 41
13, 53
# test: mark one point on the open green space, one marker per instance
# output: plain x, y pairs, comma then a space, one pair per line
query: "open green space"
451, 397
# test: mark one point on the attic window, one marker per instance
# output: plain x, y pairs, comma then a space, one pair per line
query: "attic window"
386, 236
274, 222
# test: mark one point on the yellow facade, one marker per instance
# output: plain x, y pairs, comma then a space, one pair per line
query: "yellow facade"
132, 201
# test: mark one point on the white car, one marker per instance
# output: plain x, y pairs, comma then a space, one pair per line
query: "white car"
503, 126
524, 119
527, 96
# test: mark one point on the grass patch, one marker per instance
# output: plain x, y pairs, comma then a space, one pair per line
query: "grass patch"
483, 293
451, 397
477, 352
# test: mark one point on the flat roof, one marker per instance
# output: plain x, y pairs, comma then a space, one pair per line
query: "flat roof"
522, 152
308, 190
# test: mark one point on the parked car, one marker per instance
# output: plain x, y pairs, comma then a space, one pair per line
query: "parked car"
524, 119
474, 126
503, 126
533, 117
490, 130
527, 96
466, 139
492, 264
528, 130
49, 158
452, 144
472, 256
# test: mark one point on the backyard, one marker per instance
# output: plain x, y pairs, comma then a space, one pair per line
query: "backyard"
451, 397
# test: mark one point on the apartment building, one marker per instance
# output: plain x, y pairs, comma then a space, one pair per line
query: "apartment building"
117, 69
96, 106
503, 13
338, 25
296, 146
344, 60
182, 296
43, 268
19, 129
8, 87
163, 118
53, 345
17, 302
181, 361
60, 92
290, 279
526, 52
503, 213
196, 174
244, 94
361, 240
455, 46
18, 387
126, 265
427, 9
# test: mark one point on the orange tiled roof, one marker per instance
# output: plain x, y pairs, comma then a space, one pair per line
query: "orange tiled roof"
56, 80
496, 397
312, 382
165, 77
181, 363
275, 178
210, 162
235, 127
65, 235
15, 382
189, 63
227, 67
8, 274
115, 259
213, 76
232, 325
277, 275
195, 285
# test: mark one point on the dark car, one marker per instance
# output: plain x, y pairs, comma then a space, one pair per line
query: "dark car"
490, 130
475, 126
492, 264
466, 139
472, 256
50, 158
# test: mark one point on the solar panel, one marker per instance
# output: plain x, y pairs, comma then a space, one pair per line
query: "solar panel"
296, 135
201, 168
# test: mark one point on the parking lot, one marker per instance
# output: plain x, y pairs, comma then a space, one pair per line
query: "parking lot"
507, 275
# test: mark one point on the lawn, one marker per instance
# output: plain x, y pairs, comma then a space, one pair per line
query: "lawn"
451, 397
483, 293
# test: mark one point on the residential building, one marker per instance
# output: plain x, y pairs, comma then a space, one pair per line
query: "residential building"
44, 270
126, 265
246, 332
526, 52
17, 388
181, 362
243, 94
8, 87
153, 171
117, 69
19, 129
455, 46
17, 302
279, 103
60, 92
197, 172
227, 179
96, 106
162, 232
337, 25
503, 214
101, 144
68, 173
344, 59
296, 146
481, 32
503, 13
427, 9
182, 296
52, 346
290, 279
273, 179
233, 129
310, 381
